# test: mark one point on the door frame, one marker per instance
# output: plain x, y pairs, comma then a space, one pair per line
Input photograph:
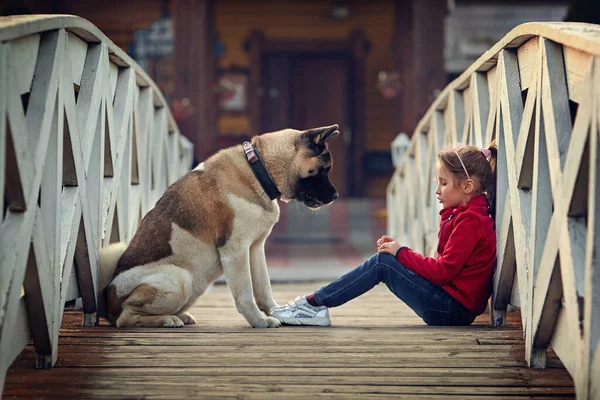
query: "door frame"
356, 47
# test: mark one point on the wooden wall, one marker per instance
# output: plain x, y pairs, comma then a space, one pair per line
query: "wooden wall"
277, 19
119, 20
235, 19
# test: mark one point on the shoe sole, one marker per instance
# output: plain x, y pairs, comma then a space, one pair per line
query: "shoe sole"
306, 321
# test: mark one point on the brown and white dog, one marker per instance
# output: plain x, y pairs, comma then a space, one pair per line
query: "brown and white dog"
214, 221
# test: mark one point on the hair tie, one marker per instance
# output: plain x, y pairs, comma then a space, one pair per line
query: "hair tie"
486, 152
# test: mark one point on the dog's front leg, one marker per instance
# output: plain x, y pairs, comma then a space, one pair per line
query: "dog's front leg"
236, 268
261, 284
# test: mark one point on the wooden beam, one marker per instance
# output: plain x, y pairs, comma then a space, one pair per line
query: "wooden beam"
359, 47
255, 46
195, 71
419, 57
37, 308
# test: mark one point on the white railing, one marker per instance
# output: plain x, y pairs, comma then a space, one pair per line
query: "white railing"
87, 146
538, 92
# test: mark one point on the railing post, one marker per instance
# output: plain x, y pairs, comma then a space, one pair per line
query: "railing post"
399, 146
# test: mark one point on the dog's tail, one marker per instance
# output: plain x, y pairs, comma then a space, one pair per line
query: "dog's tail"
109, 257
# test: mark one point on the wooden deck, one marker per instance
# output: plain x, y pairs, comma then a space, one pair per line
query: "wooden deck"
376, 348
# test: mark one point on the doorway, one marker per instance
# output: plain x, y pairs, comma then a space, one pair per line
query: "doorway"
304, 90
306, 83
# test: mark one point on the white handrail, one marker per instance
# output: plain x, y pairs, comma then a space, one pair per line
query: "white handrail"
538, 92
88, 145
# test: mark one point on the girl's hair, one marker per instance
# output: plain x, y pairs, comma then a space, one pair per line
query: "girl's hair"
470, 161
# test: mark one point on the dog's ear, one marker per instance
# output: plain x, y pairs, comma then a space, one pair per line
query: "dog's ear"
321, 135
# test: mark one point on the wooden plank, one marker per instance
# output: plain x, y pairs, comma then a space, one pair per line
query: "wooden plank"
377, 355
545, 321
145, 113
202, 339
493, 87
541, 219
50, 197
43, 95
14, 193
41, 296
123, 105
457, 117
555, 101
24, 53
565, 348
85, 277
505, 269
591, 329
93, 77
558, 126
578, 65
85, 248
76, 53
113, 76
481, 107
177, 389
431, 377
95, 176
511, 106
466, 135
347, 377
515, 297
124, 198
528, 62
530, 120
119, 118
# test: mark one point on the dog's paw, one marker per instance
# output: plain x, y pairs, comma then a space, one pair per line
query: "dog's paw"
267, 307
273, 322
268, 322
171, 321
187, 318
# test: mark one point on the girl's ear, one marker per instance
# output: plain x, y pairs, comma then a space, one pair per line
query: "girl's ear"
468, 186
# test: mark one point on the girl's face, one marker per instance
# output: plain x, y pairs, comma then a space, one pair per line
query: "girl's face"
449, 191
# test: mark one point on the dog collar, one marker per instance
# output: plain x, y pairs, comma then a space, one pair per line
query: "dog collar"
260, 170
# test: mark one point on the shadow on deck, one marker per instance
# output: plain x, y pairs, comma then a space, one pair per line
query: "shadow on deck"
376, 347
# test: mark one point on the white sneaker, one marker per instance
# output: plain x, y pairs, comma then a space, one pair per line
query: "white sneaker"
301, 312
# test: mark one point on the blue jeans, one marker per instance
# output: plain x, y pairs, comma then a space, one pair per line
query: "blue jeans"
428, 300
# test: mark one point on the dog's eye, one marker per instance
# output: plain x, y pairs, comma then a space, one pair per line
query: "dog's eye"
311, 172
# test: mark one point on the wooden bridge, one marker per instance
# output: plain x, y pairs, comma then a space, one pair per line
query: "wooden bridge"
88, 144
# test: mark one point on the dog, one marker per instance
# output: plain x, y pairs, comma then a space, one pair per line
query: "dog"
214, 221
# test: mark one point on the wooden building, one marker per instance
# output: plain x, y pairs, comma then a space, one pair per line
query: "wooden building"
236, 68
305, 63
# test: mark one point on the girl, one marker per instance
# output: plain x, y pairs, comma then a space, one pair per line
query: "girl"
451, 289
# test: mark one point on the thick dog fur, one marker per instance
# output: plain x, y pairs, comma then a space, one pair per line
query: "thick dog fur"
214, 221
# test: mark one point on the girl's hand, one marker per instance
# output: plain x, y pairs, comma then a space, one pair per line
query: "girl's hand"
388, 247
384, 239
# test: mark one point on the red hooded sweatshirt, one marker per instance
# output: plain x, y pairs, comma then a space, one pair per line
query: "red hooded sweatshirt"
466, 255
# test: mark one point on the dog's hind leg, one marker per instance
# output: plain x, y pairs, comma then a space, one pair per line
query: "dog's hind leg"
158, 301
187, 318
